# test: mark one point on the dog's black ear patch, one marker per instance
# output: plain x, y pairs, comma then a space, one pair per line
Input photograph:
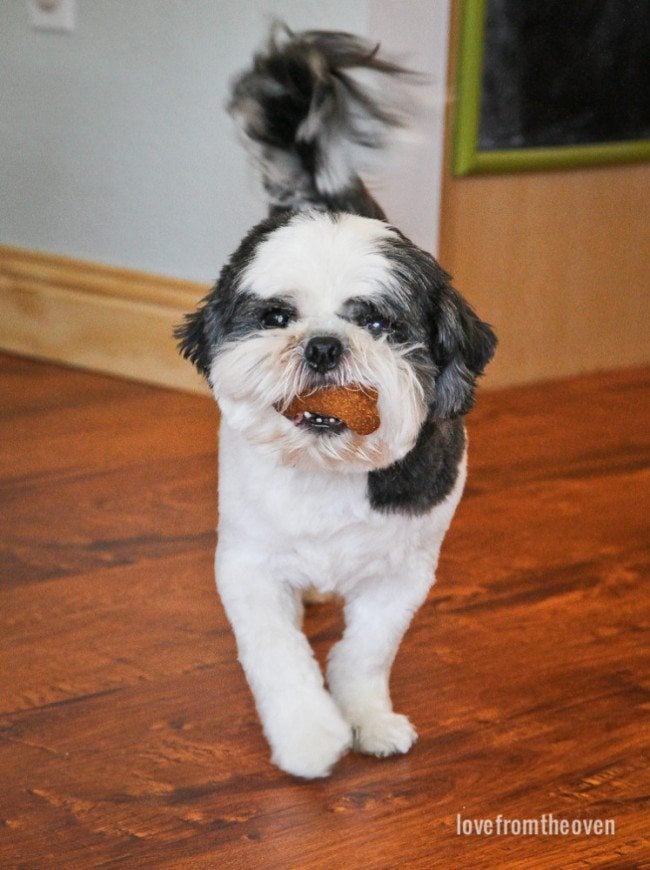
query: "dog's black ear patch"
461, 345
193, 343
458, 343
198, 335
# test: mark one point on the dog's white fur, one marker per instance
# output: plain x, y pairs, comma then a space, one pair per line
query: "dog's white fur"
294, 512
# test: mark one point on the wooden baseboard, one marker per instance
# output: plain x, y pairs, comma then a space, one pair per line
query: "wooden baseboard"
102, 318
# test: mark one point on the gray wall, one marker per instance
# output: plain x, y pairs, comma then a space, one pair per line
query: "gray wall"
114, 145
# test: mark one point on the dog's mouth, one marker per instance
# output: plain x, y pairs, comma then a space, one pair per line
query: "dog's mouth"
318, 423
335, 410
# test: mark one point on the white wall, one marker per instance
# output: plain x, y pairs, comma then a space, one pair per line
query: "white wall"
417, 31
114, 145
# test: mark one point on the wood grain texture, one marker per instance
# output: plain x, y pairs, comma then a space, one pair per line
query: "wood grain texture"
127, 733
557, 261
103, 318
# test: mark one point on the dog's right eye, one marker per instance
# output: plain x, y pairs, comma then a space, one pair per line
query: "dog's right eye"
275, 318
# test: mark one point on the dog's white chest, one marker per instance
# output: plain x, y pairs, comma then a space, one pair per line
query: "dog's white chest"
316, 529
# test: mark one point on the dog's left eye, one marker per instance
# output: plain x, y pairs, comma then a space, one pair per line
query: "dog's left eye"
275, 318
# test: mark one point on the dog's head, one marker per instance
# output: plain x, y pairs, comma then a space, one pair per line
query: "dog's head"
315, 299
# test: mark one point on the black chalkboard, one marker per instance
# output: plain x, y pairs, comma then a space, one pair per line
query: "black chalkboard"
565, 72
555, 74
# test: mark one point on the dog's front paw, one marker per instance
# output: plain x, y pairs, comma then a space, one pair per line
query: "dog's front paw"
383, 734
312, 743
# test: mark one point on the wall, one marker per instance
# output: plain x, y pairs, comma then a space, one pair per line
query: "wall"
417, 32
114, 143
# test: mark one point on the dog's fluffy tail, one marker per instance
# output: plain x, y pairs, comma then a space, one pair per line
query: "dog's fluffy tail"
310, 123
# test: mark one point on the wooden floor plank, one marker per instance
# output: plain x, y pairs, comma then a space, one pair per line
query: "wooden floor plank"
128, 737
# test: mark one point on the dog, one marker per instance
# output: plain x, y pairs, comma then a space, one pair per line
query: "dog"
324, 292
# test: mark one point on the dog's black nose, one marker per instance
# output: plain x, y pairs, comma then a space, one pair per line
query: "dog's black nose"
322, 353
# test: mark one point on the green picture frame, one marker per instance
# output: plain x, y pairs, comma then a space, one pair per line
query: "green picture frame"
469, 160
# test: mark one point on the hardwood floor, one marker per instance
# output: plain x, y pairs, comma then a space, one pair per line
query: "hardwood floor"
127, 733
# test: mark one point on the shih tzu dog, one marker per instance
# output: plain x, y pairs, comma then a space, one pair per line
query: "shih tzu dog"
323, 296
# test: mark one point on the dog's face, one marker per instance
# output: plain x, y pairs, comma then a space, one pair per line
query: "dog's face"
317, 299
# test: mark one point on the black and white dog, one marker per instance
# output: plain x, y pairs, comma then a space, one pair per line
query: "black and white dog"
326, 292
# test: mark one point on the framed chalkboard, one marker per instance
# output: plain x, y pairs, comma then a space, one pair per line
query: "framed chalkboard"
552, 83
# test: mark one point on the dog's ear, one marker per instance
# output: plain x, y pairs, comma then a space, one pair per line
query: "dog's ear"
461, 345
195, 336
202, 330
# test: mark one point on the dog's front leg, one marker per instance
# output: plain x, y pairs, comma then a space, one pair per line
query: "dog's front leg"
377, 616
303, 725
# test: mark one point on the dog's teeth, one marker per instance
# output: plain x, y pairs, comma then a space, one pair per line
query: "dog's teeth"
322, 420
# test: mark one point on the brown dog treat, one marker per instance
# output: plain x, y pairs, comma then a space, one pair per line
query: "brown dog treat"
355, 405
